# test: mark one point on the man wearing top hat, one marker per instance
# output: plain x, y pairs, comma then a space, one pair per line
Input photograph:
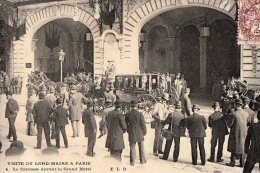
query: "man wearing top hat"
174, 120
196, 124
160, 113
42, 111
136, 129
248, 110
187, 103
75, 111
238, 129
116, 127
219, 131
60, 116
11, 111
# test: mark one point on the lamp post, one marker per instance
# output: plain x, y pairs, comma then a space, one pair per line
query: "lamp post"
61, 59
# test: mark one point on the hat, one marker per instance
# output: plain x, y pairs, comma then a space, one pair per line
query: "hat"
187, 90
195, 106
178, 104
42, 88
58, 101
215, 104
16, 148
9, 93
246, 99
165, 96
133, 103
118, 103
239, 101
41, 95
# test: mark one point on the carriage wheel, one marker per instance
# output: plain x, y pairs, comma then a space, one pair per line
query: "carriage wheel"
147, 101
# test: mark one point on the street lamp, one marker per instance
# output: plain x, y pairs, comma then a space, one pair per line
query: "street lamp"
61, 59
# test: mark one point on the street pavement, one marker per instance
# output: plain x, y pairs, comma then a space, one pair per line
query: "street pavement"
76, 160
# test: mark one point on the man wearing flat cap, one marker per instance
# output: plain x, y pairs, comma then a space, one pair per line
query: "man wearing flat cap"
219, 131
41, 112
238, 129
60, 117
11, 111
174, 120
248, 110
196, 124
136, 129
116, 127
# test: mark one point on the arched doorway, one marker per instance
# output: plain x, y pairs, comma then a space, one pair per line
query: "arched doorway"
69, 35
188, 47
190, 56
24, 47
223, 51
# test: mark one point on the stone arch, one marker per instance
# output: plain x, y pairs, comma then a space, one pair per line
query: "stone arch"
152, 8
23, 48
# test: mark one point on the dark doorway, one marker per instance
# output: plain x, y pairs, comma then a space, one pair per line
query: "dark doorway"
190, 59
223, 60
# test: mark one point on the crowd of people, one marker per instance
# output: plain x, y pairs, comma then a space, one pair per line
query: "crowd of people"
52, 111
10, 84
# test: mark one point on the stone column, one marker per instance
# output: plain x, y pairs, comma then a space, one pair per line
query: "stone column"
203, 62
75, 52
177, 55
172, 61
145, 49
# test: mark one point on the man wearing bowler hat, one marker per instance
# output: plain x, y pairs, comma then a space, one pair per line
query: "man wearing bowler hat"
116, 127
90, 128
219, 131
41, 112
174, 120
136, 129
11, 111
160, 113
248, 110
60, 117
238, 129
196, 124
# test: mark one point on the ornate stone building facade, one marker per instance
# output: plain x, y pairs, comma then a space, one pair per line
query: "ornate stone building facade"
144, 34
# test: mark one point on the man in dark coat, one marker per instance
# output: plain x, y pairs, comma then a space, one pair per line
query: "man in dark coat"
252, 146
238, 130
88, 119
11, 111
196, 124
42, 111
116, 127
248, 110
136, 129
60, 117
187, 103
219, 131
174, 120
